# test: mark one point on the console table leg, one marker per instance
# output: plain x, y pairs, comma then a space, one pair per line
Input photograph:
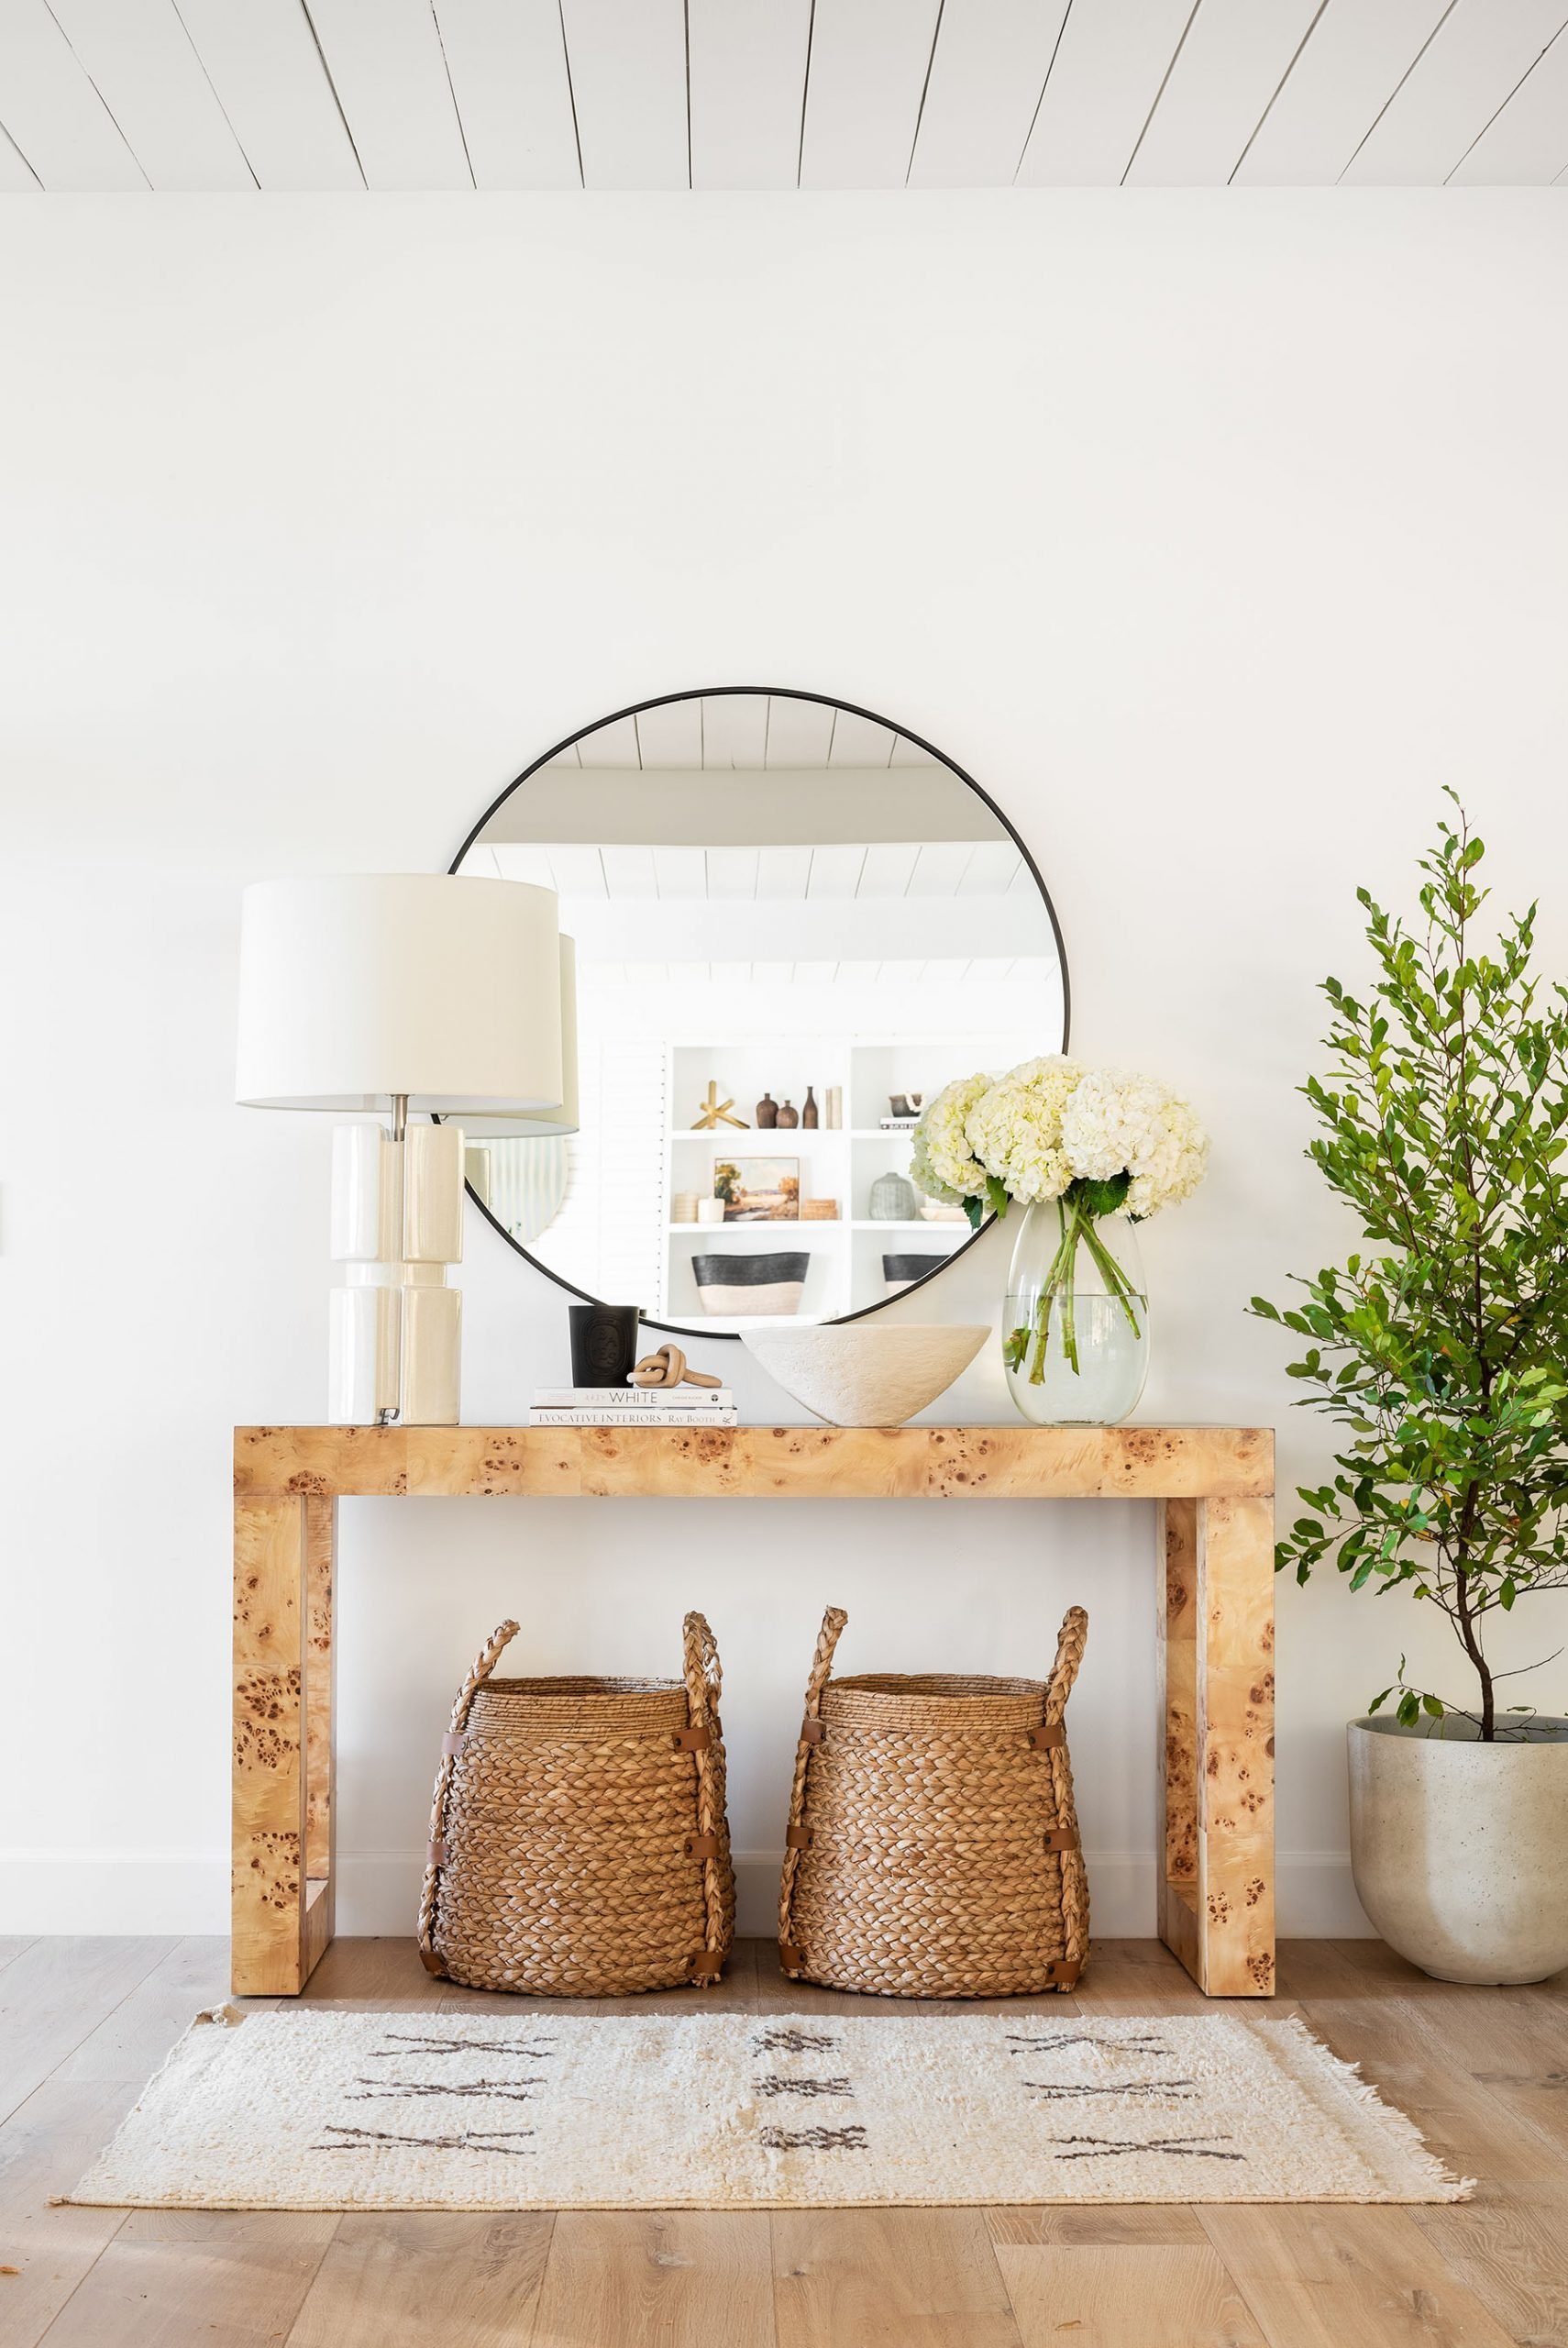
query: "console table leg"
321, 1743
1217, 1620
1176, 1818
271, 1620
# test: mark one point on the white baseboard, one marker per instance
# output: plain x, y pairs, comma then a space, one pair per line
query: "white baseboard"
114, 1891
187, 1891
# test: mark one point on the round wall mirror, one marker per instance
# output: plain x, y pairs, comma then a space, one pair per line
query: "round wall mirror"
794, 921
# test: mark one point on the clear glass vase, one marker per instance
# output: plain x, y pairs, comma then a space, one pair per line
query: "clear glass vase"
1075, 1328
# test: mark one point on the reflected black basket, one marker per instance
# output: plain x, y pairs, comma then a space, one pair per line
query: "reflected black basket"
735, 1285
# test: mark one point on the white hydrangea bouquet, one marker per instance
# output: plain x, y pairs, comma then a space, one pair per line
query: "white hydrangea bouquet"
1092, 1142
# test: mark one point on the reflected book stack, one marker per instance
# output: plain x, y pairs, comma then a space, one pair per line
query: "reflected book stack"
642, 1406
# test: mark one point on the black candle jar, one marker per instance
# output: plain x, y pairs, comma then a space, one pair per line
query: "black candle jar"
603, 1342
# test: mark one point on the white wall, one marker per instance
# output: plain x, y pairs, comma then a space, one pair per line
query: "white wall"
1212, 533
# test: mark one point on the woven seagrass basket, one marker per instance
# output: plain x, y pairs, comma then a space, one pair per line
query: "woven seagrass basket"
932, 1843
579, 1847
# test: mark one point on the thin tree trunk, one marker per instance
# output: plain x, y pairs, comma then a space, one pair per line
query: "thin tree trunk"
1472, 1649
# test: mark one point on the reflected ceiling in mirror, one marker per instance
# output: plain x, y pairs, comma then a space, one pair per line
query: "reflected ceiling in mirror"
783, 907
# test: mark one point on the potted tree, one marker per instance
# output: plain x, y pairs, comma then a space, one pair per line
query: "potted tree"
1439, 1352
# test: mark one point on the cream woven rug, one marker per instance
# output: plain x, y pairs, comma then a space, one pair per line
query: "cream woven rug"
440, 2111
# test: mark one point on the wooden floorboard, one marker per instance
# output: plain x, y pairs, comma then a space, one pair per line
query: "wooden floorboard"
657, 2278
54, 1994
1484, 2073
230, 2278
410, 2278
1126, 2294
842, 2278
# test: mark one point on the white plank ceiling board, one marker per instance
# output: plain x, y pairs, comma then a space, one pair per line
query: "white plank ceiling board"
614, 745
860, 742
991, 871
680, 871
940, 867
139, 57
732, 872
799, 733
1526, 143
516, 860
1236, 55
783, 871
628, 77
1355, 59
869, 60
16, 178
1482, 52
734, 730
836, 872
908, 754
748, 81
52, 115
670, 737
986, 73
578, 871
261, 59
1110, 61
628, 871
387, 66
886, 870
508, 67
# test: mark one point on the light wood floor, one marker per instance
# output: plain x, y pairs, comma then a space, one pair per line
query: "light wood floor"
1484, 2073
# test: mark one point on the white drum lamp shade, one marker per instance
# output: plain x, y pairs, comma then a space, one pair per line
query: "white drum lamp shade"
358, 989
562, 1116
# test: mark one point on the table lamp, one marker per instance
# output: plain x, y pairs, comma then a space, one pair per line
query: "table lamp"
409, 993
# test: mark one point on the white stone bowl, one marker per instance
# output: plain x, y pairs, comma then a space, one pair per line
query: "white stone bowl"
864, 1373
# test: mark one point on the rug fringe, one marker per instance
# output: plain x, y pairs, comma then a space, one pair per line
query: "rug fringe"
1399, 2125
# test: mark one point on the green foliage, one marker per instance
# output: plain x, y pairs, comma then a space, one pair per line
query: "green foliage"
1441, 1350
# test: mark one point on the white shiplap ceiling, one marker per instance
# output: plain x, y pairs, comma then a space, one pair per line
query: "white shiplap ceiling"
294, 95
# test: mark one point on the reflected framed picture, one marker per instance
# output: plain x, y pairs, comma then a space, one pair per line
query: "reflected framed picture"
759, 1189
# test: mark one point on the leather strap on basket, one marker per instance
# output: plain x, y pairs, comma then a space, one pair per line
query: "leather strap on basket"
705, 1684
484, 1664
828, 1636
1075, 1881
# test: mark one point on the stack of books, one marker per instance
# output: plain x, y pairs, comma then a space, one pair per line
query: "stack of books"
642, 1406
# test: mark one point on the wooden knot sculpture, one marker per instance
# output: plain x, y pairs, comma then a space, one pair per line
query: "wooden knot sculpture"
667, 1367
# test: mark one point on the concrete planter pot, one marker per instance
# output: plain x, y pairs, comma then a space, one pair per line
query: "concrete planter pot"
1460, 1849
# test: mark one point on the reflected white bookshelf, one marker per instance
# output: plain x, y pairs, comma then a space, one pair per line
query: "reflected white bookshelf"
845, 1273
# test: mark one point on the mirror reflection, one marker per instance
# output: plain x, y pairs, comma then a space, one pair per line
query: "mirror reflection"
794, 924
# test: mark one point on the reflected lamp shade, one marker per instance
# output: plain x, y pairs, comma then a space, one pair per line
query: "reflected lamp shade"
355, 988
562, 1117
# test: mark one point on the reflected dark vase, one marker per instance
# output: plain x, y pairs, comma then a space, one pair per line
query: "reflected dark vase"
809, 1113
788, 1118
766, 1111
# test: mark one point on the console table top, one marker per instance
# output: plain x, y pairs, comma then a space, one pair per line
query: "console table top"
758, 1462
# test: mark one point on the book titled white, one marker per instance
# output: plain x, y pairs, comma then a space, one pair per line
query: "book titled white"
591, 1417
634, 1397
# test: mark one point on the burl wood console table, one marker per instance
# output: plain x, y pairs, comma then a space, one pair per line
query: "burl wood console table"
1214, 1625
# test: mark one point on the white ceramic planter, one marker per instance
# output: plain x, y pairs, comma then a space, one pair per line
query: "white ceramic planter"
1460, 1849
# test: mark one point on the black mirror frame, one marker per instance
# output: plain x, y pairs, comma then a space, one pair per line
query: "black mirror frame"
824, 701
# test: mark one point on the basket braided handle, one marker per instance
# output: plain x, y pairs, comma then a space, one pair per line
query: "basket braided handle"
484, 1664
828, 1637
1071, 1641
1070, 1647
704, 1679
